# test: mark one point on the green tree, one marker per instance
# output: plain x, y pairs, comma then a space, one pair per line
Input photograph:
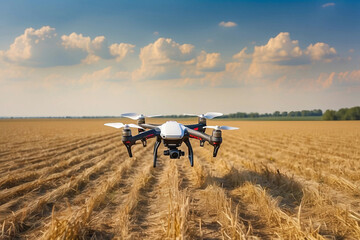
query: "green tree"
329, 115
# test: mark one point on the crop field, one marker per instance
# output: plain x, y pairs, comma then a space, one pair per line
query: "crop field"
73, 179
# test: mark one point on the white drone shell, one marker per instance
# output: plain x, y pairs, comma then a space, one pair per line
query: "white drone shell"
172, 130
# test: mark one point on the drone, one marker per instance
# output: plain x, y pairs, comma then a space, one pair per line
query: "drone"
172, 134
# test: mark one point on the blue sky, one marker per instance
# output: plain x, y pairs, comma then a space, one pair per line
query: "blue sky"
107, 57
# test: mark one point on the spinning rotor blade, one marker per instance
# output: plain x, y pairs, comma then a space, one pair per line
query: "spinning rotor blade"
133, 126
208, 115
135, 116
120, 125
154, 116
211, 115
221, 127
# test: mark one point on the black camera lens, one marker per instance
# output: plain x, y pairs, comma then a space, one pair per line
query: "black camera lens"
174, 154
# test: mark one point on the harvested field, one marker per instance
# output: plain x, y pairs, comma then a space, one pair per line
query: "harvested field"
73, 179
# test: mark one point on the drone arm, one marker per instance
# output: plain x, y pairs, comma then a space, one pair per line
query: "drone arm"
129, 140
197, 134
214, 140
144, 135
196, 127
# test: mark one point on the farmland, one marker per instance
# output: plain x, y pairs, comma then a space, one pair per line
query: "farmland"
70, 179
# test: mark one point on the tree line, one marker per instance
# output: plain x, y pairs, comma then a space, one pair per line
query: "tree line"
342, 114
303, 113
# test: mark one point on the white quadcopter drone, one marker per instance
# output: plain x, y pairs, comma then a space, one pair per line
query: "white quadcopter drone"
172, 134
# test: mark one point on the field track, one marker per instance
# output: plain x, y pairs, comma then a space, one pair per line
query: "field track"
73, 179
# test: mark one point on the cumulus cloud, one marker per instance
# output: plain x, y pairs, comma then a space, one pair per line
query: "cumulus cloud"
44, 48
75, 40
284, 51
164, 58
34, 48
280, 49
209, 62
281, 53
242, 55
320, 51
330, 4
227, 24
23, 45
96, 48
121, 50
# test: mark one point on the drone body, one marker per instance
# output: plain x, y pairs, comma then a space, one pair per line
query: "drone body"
172, 134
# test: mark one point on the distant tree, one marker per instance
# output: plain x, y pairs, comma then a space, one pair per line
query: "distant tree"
284, 114
317, 112
355, 113
276, 114
305, 113
349, 113
329, 115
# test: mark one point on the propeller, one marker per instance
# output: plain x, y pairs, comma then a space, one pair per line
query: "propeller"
120, 125
136, 116
221, 127
208, 115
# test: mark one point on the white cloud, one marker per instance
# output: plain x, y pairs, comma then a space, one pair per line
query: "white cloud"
95, 48
330, 4
321, 51
121, 50
22, 47
227, 24
164, 58
75, 40
242, 55
209, 62
90, 59
281, 54
44, 48
284, 51
280, 49
30, 47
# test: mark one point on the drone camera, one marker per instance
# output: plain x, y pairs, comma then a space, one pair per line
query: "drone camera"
174, 153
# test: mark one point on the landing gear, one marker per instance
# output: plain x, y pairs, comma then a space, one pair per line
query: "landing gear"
156, 147
191, 154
